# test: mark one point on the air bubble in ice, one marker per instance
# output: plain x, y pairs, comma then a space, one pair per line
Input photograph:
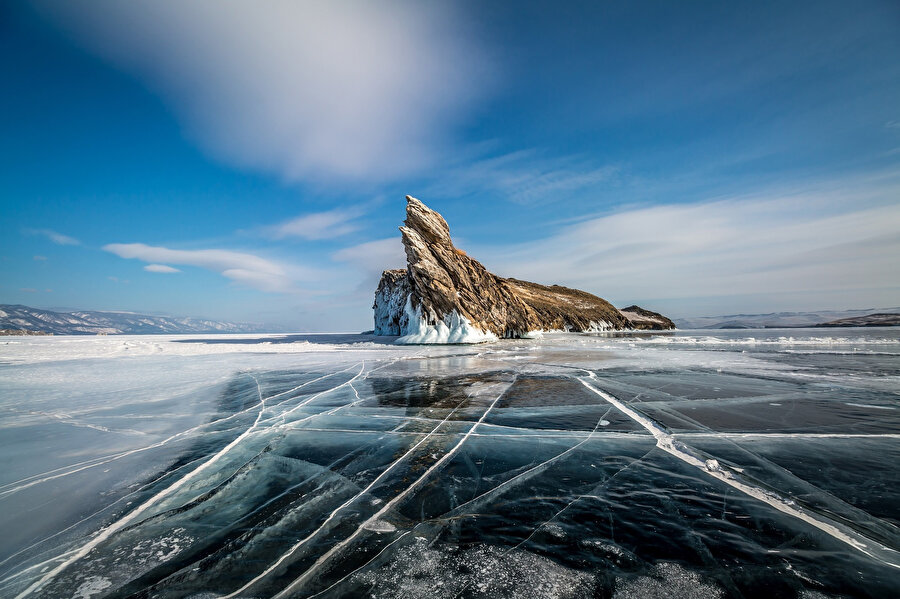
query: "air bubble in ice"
667, 581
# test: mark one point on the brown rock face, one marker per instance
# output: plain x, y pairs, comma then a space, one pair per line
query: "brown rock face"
646, 320
441, 284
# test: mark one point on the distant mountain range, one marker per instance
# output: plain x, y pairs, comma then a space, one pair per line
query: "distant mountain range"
835, 318
24, 318
870, 320
17, 318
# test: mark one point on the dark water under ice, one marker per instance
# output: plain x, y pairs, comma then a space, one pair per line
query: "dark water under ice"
693, 464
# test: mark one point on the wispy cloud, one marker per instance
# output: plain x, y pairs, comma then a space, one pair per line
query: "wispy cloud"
247, 269
370, 259
40, 258
161, 268
798, 242
525, 177
57, 238
374, 256
319, 225
304, 89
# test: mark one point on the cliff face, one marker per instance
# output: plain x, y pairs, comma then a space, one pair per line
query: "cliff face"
444, 296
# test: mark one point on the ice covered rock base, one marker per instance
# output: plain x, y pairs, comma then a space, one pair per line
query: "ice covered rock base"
445, 296
453, 328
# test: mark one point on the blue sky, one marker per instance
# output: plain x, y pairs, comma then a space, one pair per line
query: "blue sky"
250, 163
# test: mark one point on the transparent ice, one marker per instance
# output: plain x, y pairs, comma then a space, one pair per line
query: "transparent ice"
677, 464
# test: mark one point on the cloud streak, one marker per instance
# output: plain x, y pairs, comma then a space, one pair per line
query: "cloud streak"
319, 225
246, 269
525, 177
161, 268
815, 242
303, 89
57, 238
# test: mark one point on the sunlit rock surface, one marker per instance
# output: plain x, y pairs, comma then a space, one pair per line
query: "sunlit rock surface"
445, 296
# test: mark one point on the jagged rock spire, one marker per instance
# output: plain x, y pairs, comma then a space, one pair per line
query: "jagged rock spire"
443, 285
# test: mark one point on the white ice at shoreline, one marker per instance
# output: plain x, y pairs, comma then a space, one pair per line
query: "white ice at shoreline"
453, 329
21, 350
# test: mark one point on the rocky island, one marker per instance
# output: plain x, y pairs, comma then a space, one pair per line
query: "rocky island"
445, 296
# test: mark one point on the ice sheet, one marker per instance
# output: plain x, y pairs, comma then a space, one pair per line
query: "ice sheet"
683, 464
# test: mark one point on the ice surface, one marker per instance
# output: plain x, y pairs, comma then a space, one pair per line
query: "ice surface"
91, 586
667, 580
418, 571
677, 464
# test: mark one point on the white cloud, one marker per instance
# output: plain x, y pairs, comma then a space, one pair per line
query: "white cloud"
247, 269
824, 243
160, 268
57, 238
320, 225
313, 89
40, 258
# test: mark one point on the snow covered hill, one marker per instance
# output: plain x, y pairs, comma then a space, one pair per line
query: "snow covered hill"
18, 317
775, 319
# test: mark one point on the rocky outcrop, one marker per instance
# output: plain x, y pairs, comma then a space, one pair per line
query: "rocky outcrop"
390, 302
445, 296
646, 320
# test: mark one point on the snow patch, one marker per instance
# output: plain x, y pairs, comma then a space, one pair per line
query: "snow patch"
635, 317
380, 526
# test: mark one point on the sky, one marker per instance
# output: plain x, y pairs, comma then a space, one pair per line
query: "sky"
248, 161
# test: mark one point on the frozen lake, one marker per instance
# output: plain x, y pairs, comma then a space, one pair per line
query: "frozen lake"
680, 464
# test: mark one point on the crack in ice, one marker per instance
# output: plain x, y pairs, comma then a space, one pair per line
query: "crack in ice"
668, 443
388, 506
107, 532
